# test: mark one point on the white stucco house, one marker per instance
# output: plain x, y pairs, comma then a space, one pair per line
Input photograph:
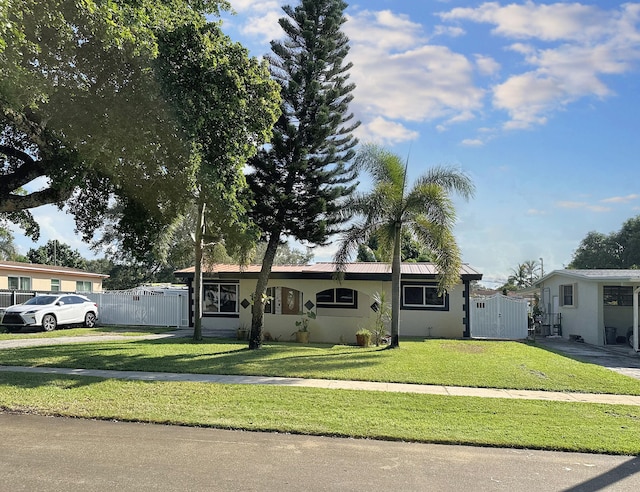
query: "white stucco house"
600, 306
341, 308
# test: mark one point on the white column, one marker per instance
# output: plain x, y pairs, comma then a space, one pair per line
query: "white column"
635, 318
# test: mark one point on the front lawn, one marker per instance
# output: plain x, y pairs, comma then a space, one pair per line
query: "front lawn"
473, 363
363, 414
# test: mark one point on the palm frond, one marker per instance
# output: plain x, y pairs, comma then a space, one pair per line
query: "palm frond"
450, 179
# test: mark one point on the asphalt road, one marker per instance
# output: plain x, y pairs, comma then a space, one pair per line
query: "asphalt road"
59, 454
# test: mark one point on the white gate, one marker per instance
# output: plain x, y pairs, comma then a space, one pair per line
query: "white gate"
499, 316
141, 308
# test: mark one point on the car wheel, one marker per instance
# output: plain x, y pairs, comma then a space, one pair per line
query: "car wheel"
90, 320
49, 322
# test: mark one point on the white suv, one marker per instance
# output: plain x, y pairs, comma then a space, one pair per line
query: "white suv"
50, 311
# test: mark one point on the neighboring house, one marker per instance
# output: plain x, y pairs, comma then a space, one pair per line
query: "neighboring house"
597, 305
341, 308
46, 278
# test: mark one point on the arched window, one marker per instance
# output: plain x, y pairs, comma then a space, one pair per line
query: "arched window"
337, 298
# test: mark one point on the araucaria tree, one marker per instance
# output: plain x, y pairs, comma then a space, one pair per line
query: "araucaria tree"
301, 180
425, 208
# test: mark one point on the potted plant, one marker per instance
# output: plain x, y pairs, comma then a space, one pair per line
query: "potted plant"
363, 337
242, 332
302, 335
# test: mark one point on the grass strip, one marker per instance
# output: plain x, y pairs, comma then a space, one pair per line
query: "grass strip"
581, 427
486, 364
133, 331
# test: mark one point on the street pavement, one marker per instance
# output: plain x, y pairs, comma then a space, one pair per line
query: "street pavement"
60, 454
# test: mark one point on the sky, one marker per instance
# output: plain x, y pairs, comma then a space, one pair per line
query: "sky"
538, 102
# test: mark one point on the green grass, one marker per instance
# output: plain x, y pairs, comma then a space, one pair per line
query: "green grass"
444, 362
82, 332
579, 427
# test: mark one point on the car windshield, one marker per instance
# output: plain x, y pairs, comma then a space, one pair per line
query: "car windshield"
41, 300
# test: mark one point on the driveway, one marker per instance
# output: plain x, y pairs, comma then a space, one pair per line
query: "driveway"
618, 358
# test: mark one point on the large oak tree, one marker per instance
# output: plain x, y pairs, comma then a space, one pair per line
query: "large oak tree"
81, 112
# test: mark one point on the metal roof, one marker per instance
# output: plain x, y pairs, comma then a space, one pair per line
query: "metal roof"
359, 268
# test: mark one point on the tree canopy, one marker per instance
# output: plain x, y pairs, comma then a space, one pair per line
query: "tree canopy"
225, 104
57, 254
619, 249
81, 112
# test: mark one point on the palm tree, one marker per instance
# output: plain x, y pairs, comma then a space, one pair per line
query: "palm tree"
521, 276
426, 209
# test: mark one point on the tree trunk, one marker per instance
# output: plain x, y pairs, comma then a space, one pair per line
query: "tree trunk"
257, 310
396, 265
197, 279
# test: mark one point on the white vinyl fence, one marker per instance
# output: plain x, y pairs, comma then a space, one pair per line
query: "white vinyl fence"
500, 317
141, 308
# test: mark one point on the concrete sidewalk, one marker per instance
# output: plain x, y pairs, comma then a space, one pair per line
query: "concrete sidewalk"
336, 384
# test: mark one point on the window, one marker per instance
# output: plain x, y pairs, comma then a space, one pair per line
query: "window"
55, 285
83, 286
337, 298
220, 298
567, 295
423, 297
283, 300
615, 295
19, 283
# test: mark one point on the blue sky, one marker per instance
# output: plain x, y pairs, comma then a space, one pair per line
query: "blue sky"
537, 101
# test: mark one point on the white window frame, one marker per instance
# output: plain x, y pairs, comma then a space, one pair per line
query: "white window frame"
211, 304
425, 297
54, 287
336, 303
81, 286
563, 295
21, 283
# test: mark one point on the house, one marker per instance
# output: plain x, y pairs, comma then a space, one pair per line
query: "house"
341, 308
16, 276
597, 305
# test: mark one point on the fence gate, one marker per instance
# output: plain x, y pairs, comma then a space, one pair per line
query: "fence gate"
141, 308
499, 316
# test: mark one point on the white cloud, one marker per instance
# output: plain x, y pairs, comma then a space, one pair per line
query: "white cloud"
400, 76
264, 27
384, 30
382, 131
559, 21
450, 31
242, 6
583, 43
621, 199
469, 142
487, 65
582, 206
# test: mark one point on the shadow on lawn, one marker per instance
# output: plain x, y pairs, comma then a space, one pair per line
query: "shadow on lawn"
227, 357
